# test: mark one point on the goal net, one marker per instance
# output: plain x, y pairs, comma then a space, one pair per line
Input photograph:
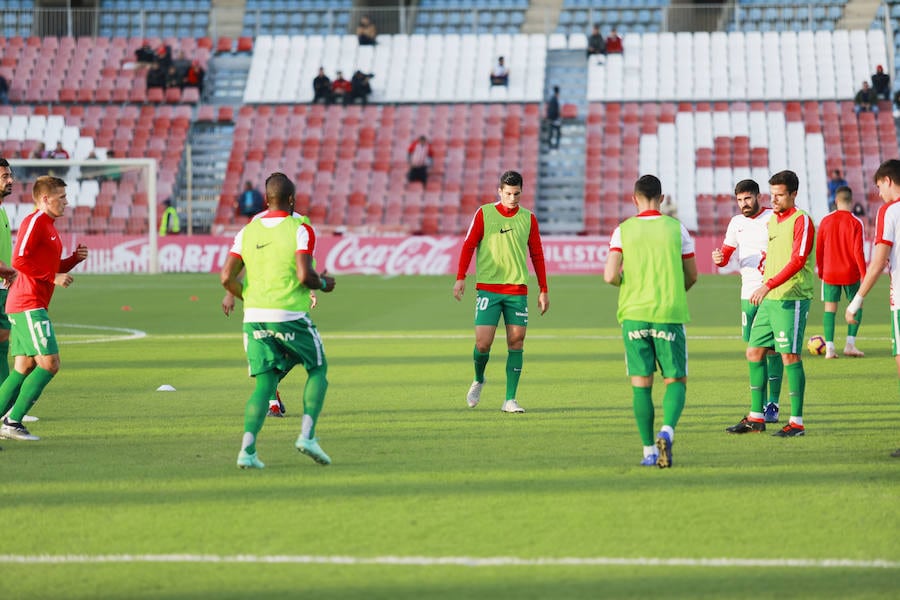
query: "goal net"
106, 197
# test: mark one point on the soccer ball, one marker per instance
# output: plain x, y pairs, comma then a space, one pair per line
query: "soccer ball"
816, 345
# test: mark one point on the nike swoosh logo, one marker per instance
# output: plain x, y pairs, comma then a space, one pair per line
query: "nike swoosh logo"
53, 238
506, 230
261, 246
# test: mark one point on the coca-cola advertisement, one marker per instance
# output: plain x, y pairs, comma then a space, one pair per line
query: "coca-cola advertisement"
349, 254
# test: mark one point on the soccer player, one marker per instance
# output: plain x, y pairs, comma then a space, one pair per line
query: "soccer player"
783, 300
37, 259
748, 233
6, 272
502, 233
886, 251
277, 251
651, 260
840, 264
276, 406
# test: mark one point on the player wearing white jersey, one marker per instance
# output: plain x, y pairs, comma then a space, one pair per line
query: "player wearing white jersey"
748, 234
886, 251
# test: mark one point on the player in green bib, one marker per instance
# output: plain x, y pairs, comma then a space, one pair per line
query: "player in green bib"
651, 260
6, 271
276, 250
503, 234
783, 300
276, 406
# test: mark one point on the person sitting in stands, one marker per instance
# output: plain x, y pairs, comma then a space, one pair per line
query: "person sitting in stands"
341, 89
500, 73
366, 32
614, 43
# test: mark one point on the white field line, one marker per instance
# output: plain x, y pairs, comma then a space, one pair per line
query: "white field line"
452, 336
462, 561
126, 334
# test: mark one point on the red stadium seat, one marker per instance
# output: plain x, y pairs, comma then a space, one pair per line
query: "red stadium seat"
245, 44
224, 44
155, 95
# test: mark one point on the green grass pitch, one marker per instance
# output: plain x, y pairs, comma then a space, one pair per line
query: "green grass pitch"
134, 493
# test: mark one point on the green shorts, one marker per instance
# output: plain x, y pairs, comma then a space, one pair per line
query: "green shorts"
748, 314
832, 293
780, 324
895, 332
489, 306
32, 334
650, 344
281, 346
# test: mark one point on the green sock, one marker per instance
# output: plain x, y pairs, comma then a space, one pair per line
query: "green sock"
828, 324
774, 371
757, 386
4, 360
673, 402
481, 361
313, 400
9, 390
642, 400
797, 384
29, 393
853, 328
257, 408
274, 397
513, 372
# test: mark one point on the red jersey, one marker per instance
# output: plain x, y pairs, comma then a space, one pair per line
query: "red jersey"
37, 258
839, 249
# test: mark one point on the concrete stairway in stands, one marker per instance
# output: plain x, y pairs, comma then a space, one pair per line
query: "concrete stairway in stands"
560, 195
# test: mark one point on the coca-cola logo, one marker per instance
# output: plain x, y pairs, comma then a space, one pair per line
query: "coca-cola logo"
420, 255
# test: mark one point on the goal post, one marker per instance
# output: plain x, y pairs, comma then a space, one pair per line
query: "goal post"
103, 196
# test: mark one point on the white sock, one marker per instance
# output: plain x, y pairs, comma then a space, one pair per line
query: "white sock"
649, 451
797, 421
830, 346
306, 424
247, 440
668, 429
757, 416
851, 340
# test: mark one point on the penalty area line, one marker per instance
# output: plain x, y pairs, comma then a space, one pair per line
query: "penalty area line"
462, 561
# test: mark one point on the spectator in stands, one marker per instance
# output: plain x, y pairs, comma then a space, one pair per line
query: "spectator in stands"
322, 87
614, 43
59, 151
897, 104
156, 77
554, 120
194, 76
182, 65
366, 31
145, 54
865, 100
596, 43
359, 87
881, 83
172, 78
500, 73
169, 221
39, 151
836, 181
250, 202
4, 90
111, 173
341, 89
164, 57
419, 156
